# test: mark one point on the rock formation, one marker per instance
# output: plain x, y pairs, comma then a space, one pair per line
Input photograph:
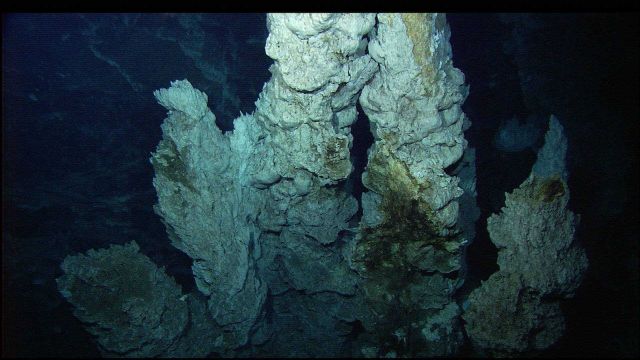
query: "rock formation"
280, 256
517, 310
133, 308
284, 226
409, 249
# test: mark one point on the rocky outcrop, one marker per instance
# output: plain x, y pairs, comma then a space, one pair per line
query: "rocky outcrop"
133, 308
264, 212
199, 178
409, 248
256, 208
516, 311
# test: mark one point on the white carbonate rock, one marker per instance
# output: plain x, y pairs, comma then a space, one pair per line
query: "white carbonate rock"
442, 331
317, 75
207, 204
182, 97
535, 237
414, 102
371, 215
311, 50
551, 158
327, 205
539, 260
300, 257
265, 211
130, 305
506, 318
133, 308
223, 197
410, 218
535, 231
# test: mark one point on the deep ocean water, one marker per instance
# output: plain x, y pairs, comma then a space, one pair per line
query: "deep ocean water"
79, 122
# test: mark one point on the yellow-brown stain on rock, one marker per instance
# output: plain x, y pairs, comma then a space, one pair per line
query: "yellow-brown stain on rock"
408, 224
419, 30
336, 157
167, 161
549, 189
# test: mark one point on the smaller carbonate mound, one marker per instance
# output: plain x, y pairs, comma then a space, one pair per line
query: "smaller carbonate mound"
133, 308
507, 318
516, 311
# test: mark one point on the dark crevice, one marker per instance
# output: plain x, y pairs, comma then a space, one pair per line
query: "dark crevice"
453, 168
362, 141
497, 95
356, 329
370, 35
224, 124
344, 236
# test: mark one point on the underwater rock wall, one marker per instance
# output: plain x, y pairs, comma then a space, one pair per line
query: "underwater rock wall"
517, 310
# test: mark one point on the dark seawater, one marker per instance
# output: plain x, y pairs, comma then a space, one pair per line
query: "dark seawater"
80, 120
584, 69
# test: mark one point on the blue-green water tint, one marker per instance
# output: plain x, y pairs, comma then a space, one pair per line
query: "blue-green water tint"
79, 122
